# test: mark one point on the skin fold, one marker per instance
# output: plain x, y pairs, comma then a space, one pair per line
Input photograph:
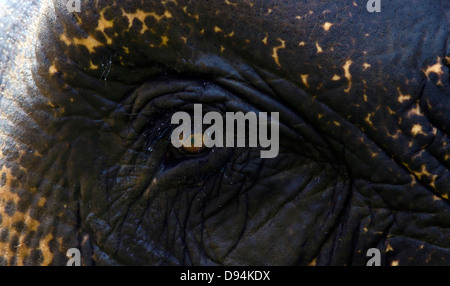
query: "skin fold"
364, 160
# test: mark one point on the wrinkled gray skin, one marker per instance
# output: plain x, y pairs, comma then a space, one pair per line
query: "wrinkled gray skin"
364, 102
14, 23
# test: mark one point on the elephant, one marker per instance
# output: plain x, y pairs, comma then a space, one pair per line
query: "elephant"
363, 98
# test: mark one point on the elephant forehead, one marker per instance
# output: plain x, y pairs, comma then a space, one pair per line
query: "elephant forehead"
319, 45
287, 36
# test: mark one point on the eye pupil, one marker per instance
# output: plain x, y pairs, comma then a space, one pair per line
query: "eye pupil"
188, 145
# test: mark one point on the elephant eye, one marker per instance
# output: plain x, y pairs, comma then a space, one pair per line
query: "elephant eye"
188, 144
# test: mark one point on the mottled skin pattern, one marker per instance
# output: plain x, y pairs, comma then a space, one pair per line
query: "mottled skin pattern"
364, 102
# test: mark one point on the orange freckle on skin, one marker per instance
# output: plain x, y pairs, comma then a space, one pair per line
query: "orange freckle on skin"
417, 129
52, 69
415, 111
304, 78
105, 24
265, 39
327, 26
41, 202
366, 66
164, 40
402, 97
335, 78
313, 263
319, 48
275, 52
92, 66
89, 43
230, 34
195, 16
348, 75
141, 15
423, 173
230, 3
436, 69
369, 119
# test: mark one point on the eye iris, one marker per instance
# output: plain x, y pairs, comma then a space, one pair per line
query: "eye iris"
189, 143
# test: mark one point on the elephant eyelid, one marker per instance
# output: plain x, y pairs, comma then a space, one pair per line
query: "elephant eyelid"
189, 147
